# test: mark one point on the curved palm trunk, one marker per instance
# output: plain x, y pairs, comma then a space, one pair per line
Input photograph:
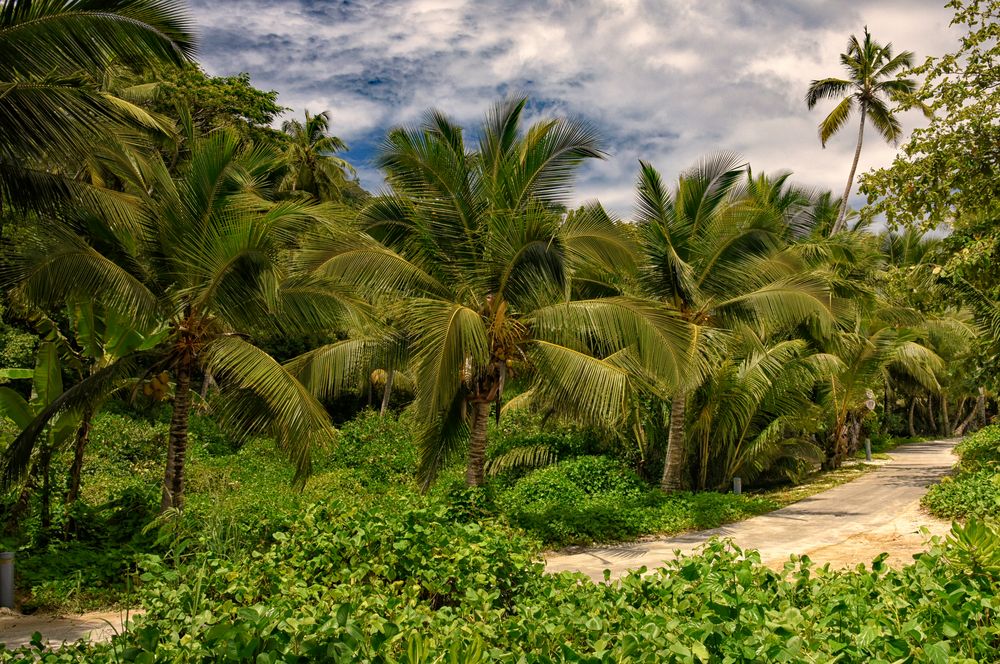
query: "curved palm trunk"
173, 481
673, 464
913, 408
841, 218
945, 419
981, 406
966, 422
387, 393
474, 475
76, 470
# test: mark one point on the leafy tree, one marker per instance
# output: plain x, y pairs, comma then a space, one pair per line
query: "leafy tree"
949, 171
97, 337
215, 102
204, 259
871, 84
485, 265
946, 172
719, 262
53, 108
313, 166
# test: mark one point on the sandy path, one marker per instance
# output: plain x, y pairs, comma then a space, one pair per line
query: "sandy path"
847, 525
16, 629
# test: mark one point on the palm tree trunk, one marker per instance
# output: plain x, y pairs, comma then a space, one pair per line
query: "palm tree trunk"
841, 218
166, 496
76, 470
23, 502
886, 409
703, 472
45, 461
945, 420
981, 406
913, 407
387, 393
477, 444
673, 463
177, 447
930, 412
966, 422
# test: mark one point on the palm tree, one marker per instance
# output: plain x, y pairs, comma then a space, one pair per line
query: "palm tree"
749, 416
204, 258
53, 107
872, 82
719, 261
312, 164
860, 364
483, 264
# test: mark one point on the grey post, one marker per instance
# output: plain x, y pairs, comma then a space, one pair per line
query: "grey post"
868, 449
7, 579
737, 485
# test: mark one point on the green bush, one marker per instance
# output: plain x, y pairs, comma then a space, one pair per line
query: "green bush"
597, 499
92, 568
380, 448
975, 494
975, 490
17, 348
414, 586
980, 450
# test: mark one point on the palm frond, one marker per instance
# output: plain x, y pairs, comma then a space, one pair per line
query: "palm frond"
261, 395
526, 457
837, 118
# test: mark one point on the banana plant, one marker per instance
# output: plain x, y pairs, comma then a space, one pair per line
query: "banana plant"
46, 386
99, 336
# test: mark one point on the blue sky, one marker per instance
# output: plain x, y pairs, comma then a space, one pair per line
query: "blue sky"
666, 81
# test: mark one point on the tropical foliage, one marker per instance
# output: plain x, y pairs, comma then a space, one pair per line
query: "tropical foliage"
215, 310
55, 107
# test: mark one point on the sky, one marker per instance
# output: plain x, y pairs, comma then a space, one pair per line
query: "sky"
667, 82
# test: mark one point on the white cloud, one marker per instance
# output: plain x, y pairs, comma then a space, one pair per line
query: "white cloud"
665, 81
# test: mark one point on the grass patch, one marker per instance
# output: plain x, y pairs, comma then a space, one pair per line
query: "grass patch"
818, 483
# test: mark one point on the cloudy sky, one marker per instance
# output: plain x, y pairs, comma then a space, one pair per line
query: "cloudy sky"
667, 81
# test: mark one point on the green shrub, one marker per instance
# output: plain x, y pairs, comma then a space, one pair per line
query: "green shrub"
17, 348
975, 490
980, 450
975, 494
380, 448
415, 587
597, 499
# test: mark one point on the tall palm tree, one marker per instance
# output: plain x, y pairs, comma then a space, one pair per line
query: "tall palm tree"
872, 83
484, 263
53, 106
718, 260
312, 162
205, 259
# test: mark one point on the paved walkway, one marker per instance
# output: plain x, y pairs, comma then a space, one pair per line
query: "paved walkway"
849, 524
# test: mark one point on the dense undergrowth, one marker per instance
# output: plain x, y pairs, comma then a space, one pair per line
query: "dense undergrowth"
974, 491
239, 494
422, 584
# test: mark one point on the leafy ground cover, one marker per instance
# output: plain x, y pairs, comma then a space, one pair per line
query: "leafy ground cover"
421, 584
974, 491
239, 495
